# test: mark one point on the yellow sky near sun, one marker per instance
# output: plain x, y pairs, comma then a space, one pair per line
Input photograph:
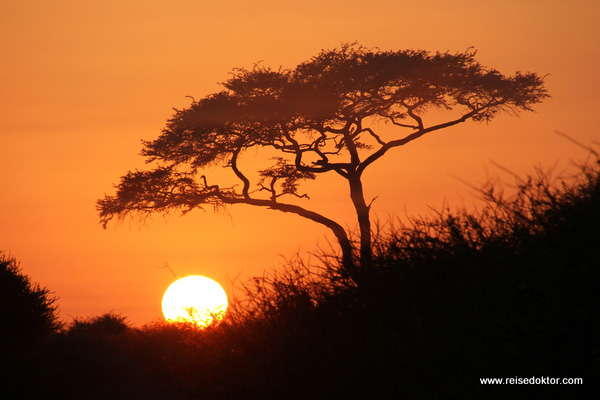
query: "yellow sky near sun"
83, 82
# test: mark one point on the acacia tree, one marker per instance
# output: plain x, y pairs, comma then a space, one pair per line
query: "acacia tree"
320, 117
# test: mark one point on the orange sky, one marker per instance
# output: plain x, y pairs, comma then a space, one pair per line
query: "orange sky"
83, 82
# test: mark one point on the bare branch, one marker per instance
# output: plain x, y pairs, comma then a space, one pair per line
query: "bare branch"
578, 143
239, 174
407, 139
410, 111
391, 118
372, 133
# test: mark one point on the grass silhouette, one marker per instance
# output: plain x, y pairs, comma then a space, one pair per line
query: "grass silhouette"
510, 290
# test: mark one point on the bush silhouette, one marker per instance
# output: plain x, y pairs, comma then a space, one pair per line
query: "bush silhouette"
28, 315
510, 290
100, 359
26, 309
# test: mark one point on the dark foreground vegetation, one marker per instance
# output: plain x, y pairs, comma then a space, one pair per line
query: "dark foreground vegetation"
512, 290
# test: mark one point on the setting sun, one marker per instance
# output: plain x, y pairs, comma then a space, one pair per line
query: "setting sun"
195, 299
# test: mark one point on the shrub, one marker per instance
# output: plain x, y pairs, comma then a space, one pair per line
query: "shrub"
28, 316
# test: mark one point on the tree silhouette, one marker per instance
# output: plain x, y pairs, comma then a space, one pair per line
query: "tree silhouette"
320, 117
29, 320
27, 310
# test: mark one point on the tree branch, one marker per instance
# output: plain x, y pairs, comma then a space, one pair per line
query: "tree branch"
372, 133
239, 174
391, 118
336, 228
410, 111
422, 131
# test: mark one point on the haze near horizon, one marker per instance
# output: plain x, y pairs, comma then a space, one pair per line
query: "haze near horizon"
84, 83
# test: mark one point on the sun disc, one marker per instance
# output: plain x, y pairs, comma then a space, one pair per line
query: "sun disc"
196, 299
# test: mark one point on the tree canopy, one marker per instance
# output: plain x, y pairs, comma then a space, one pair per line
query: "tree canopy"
320, 117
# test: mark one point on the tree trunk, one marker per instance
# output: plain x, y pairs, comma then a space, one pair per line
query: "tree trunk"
364, 221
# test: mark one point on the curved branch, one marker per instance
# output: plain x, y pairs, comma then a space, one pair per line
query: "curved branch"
411, 111
239, 173
336, 228
391, 118
422, 131
374, 135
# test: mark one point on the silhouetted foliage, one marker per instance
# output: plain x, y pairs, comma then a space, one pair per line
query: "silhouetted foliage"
510, 290
98, 360
107, 324
28, 318
26, 309
320, 117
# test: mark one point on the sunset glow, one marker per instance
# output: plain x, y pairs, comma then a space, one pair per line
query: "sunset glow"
84, 82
